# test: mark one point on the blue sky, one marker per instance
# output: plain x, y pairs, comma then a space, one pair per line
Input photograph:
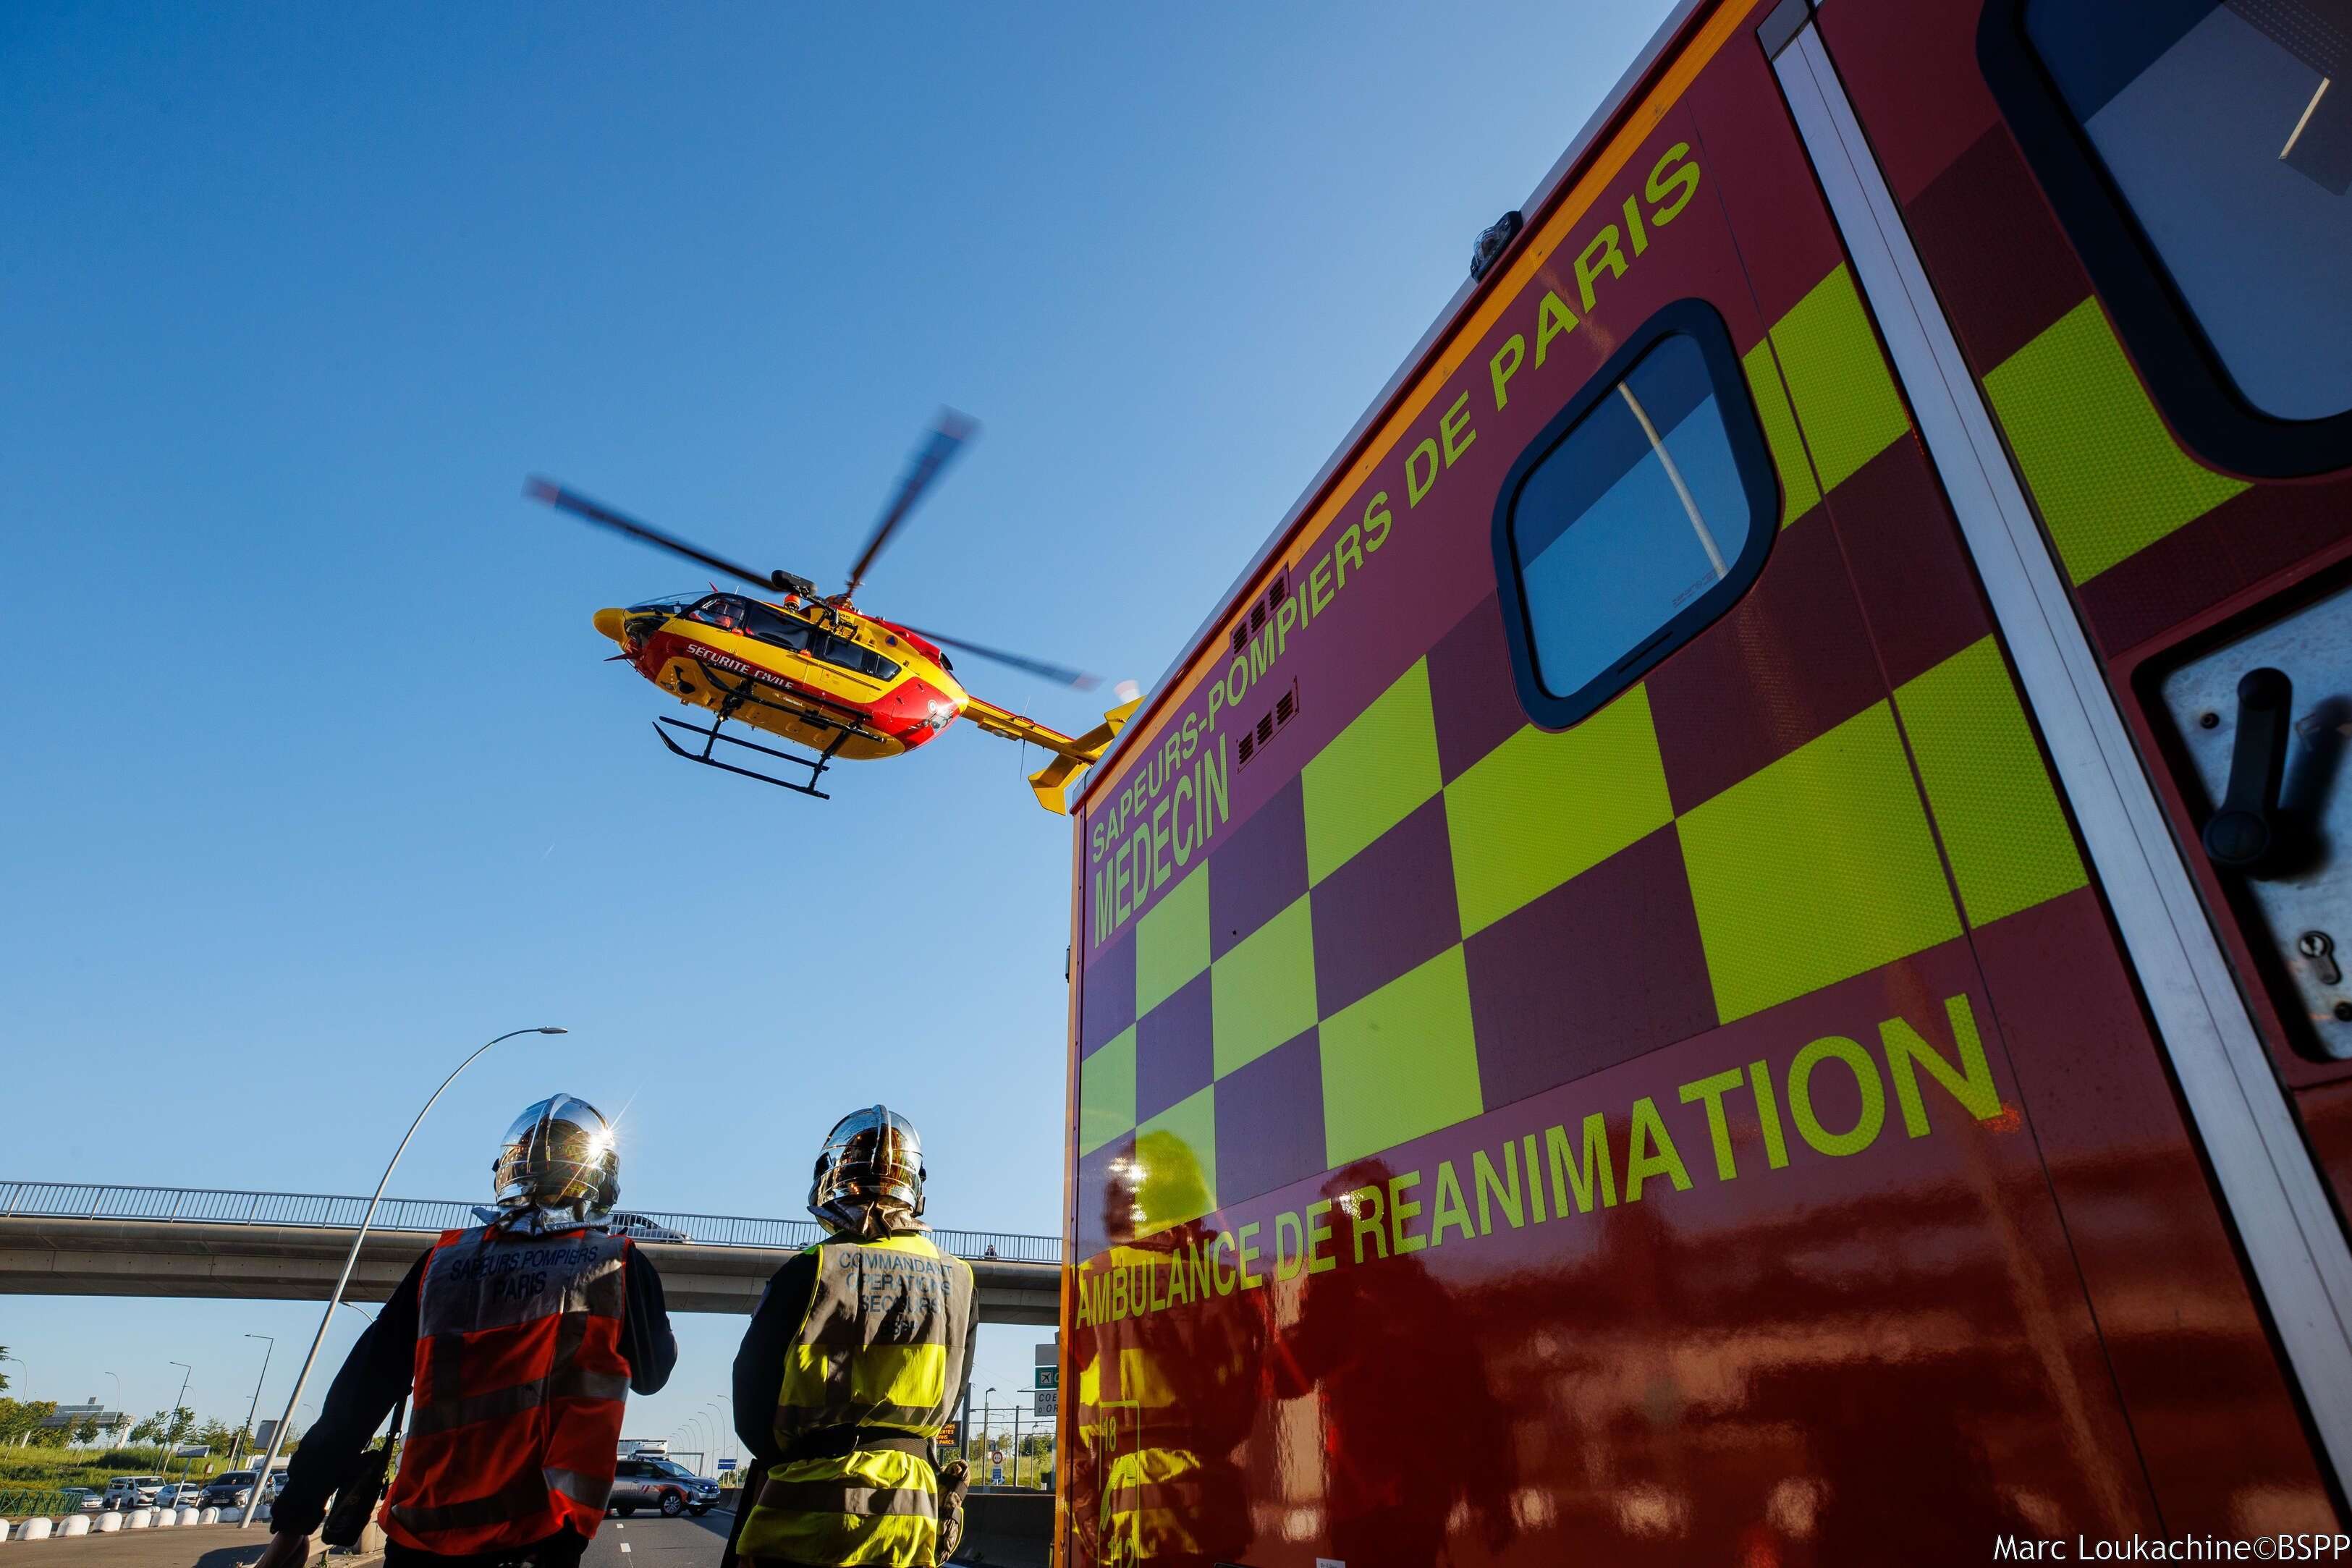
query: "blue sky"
314, 779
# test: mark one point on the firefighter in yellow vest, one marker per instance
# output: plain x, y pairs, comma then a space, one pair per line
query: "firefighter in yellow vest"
852, 1364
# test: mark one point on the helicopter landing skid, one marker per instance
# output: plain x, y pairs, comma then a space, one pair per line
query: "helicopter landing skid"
816, 765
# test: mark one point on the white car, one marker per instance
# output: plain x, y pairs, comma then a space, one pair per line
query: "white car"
638, 1228
179, 1494
132, 1492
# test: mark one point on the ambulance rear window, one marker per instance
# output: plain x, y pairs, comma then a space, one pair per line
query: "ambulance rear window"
1635, 519
2228, 130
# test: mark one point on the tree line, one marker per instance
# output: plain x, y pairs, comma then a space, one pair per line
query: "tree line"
23, 1423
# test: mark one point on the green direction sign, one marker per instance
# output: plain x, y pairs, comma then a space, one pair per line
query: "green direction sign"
1049, 1377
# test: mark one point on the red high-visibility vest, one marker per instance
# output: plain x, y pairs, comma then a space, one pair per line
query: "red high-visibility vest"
516, 1427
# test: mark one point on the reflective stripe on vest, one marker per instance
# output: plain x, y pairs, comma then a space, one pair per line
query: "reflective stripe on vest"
873, 1506
881, 1347
520, 1385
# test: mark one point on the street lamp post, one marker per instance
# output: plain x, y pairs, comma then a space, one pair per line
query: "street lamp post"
237, 1447
351, 1261
729, 1439
987, 1437
172, 1421
717, 1430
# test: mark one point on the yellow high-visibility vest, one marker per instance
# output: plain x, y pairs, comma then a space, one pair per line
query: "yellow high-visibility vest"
881, 1349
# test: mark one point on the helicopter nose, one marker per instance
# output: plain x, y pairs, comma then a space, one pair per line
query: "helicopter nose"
609, 623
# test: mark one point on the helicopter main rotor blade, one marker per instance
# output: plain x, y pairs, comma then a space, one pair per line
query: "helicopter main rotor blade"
947, 437
604, 516
1061, 674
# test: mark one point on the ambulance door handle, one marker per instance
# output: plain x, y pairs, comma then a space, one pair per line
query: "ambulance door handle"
2245, 835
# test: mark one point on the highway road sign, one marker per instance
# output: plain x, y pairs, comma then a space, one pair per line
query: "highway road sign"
1048, 1401
1049, 1377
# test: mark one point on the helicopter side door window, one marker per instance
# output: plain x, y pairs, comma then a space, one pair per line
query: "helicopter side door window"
783, 631
842, 653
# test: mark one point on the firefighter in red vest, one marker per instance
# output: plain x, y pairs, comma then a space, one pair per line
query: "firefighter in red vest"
519, 1341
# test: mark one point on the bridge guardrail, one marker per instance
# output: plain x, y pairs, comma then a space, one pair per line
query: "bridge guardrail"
218, 1206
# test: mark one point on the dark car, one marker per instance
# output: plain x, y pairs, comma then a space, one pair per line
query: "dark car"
234, 1489
649, 1481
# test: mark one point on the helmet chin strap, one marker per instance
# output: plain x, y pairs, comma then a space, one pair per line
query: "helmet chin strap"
868, 1221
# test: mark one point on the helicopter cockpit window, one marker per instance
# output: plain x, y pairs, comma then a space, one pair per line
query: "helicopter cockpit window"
722, 609
783, 631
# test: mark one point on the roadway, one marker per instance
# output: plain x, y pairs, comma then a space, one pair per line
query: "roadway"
1010, 1533
646, 1542
649, 1541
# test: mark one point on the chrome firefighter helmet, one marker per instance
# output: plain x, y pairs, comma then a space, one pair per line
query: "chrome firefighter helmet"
558, 1163
870, 1175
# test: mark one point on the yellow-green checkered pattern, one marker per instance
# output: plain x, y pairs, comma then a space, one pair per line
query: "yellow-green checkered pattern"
2107, 475
1819, 866
1827, 862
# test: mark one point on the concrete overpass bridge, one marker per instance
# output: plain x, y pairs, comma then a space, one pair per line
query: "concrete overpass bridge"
76, 1239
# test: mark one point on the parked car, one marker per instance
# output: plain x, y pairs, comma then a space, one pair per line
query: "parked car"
132, 1491
638, 1228
234, 1489
652, 1481
179, 1494
81, 1499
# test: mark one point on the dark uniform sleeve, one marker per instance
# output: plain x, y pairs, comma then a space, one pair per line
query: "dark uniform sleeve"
646, 1337
373, 1378
760, 1375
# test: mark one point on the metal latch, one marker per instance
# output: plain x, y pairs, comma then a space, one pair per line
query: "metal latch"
2265, 722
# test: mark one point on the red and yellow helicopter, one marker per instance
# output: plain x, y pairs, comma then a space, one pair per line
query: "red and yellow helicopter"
814, 669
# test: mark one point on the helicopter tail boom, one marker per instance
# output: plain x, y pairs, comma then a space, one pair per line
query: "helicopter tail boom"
1072, 754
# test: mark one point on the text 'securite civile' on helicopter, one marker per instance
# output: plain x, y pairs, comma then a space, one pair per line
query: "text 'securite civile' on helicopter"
813, 669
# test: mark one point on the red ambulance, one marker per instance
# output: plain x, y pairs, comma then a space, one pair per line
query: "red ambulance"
1735, 946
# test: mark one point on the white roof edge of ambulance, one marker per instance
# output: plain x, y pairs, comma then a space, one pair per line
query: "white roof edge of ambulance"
1548, 190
